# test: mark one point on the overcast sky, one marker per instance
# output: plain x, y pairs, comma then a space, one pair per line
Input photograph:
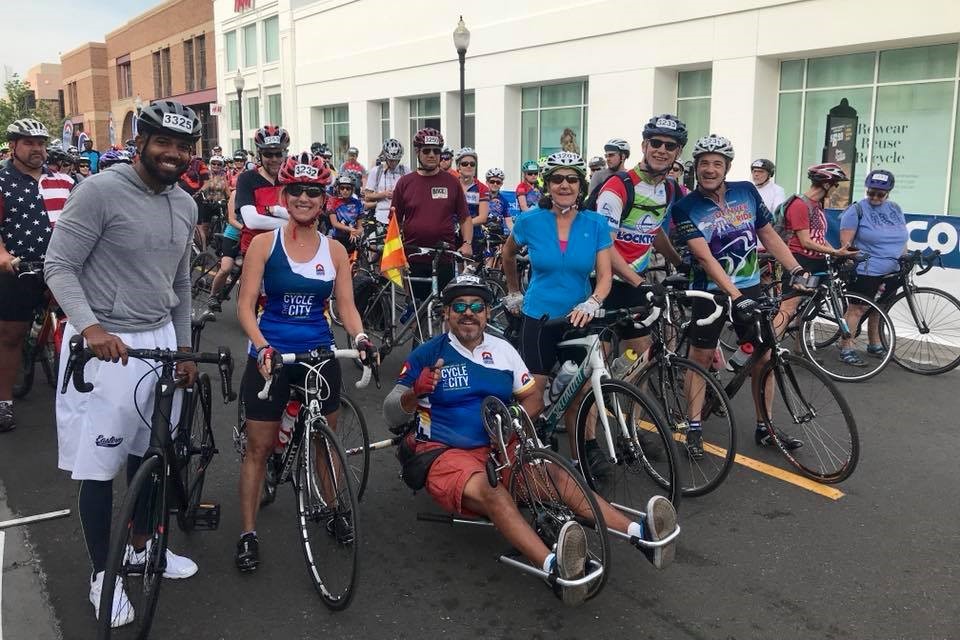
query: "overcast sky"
40, 30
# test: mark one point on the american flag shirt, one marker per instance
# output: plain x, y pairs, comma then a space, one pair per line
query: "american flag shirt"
29, 209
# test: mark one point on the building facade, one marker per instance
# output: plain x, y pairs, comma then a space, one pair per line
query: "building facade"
86, 91
46, 81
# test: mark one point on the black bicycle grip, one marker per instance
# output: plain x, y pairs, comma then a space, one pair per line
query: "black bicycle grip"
75, 367
225, 365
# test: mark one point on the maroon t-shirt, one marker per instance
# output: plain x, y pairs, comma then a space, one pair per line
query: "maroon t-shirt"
429, 209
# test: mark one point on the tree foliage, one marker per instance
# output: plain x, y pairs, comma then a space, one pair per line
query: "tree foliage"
17, 105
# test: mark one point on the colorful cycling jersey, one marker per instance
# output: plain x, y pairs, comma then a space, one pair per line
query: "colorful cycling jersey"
347, 210
499, 211
296, 295
476, 193
254, 189
730, 232
530, 192
451, 414
646, 218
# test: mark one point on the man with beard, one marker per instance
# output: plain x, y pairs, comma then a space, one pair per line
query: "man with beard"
31, 199
132, 220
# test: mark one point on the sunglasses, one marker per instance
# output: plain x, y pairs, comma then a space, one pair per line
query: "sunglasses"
461, 307
494, 181
297, 190
468, 164
555, 180
656, 144
430, 151
272, 154
876, 193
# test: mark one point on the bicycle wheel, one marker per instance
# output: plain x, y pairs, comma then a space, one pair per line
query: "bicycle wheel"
821, 333
647, 461
668, 383
549, 492
353, 435
140, 575
327, 510
203, 268
25, 376
928, 330
195, 447
808, 406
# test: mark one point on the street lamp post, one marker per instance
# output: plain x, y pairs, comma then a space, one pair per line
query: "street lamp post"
238, 83
461, 40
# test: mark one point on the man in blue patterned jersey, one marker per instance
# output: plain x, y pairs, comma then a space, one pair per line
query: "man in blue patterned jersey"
441, 387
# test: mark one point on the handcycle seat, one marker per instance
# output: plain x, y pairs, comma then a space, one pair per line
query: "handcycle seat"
676, 281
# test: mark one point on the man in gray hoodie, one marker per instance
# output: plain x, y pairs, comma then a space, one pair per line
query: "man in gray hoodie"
118, 263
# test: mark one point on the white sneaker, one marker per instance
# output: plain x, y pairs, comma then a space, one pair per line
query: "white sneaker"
177, 567
122, 610
661, 521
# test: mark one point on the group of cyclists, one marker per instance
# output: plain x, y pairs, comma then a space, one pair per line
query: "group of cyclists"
293, 219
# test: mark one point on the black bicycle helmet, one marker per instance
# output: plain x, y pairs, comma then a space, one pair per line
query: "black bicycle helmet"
667, 125
170, 117
466, 285
766, 165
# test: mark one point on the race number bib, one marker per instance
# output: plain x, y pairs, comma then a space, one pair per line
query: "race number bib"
177, 123
305, 170
268, 140
473, 197
439, 193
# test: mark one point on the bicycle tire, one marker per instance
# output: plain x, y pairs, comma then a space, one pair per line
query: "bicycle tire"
315, 513
203, 268
24, 381
647, 462
355, 439
138, 580
668, 385
913, 351
534, 487
820, 445
195, 448
820, 334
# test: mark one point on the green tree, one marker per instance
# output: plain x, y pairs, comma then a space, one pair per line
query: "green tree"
17, 105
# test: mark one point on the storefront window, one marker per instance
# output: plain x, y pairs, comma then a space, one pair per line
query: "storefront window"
553, 118
230, 47
693, 103
336, 131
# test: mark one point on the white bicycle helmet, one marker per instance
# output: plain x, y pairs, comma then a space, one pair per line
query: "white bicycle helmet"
495, 172
619, 145
466, 152
564, 160
26, 128
596, 162
713, 144
392, 149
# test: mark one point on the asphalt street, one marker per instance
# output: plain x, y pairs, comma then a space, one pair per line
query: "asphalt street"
758, 558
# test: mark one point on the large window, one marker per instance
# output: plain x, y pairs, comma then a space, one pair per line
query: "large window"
693, 103
384, 121
275, 109
424, 112
250, 45
167, 73
124, 78
553, 118
200, 52
905, 101
251, 112
336, 131
469, 120
271, 39
230, 48
157, 75
188, 65
233, 115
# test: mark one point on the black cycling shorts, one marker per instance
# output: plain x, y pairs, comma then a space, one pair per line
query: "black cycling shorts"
538, 344
708, 337
21, 297
229, 248
868, 286
271, 409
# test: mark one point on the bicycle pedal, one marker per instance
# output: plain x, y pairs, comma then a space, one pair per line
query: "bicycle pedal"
207, 517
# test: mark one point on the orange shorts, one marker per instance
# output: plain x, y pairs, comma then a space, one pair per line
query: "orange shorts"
451, 471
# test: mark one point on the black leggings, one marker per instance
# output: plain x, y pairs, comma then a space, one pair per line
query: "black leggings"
95, 505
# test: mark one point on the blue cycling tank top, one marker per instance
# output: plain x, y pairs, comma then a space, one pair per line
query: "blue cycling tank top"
293, 318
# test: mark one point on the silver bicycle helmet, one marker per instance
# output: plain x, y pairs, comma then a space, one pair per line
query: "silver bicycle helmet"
713, 144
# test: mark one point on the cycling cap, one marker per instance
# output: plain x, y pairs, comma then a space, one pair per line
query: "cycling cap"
428, 137
494, 172
530, 165
466, 152
271, 137
466, 285
619, 145
827, 172
766, 165
564, 160
26, 128
345, 179
879, 179
113, 157
304, 169
170, 117
596, 162
392, 149
667, 125
713, 144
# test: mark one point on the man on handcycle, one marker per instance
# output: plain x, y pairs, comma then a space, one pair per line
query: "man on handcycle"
440, 390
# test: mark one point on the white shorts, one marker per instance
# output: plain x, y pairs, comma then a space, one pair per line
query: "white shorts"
97, 430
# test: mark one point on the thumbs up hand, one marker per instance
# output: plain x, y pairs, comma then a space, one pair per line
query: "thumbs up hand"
426, 382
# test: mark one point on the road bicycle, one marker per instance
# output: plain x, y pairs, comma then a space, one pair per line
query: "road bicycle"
170, 478
41, 346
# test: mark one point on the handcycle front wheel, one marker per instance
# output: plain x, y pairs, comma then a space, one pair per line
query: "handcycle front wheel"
195, 447
647, 462
138, 574
808, 406
327, 512
549, 492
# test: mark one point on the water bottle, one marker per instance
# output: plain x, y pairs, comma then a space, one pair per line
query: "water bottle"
621, 365
740, 357
407, 313
564, 376
286, 426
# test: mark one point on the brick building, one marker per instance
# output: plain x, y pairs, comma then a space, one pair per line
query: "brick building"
45, 79
166, 52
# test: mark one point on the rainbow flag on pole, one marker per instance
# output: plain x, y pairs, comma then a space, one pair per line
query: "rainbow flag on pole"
393, 259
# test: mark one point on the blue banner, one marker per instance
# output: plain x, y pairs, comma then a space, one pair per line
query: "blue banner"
926, 232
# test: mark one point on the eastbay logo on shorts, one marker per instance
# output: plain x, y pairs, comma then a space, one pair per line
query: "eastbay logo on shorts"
439, 193
108, 441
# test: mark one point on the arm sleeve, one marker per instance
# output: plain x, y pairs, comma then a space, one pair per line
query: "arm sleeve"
797, 216
259, 221
393, 413
74, 236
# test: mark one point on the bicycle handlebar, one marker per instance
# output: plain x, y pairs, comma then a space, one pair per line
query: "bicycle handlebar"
316, 357
79, 355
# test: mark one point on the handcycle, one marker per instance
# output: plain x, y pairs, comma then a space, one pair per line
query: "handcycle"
42, 343
324, 482
170, 478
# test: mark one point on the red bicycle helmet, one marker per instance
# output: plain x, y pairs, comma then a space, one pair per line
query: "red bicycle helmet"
304, 168
826, 172
428, 137
271, 137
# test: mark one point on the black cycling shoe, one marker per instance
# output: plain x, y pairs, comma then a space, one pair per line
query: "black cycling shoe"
213, 304
340, 526
695, 443
7, 421
248, 552
763, 439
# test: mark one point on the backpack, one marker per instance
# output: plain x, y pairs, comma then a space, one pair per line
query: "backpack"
591, 202
780, 216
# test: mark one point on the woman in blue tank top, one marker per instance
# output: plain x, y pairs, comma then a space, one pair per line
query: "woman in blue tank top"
297, 269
